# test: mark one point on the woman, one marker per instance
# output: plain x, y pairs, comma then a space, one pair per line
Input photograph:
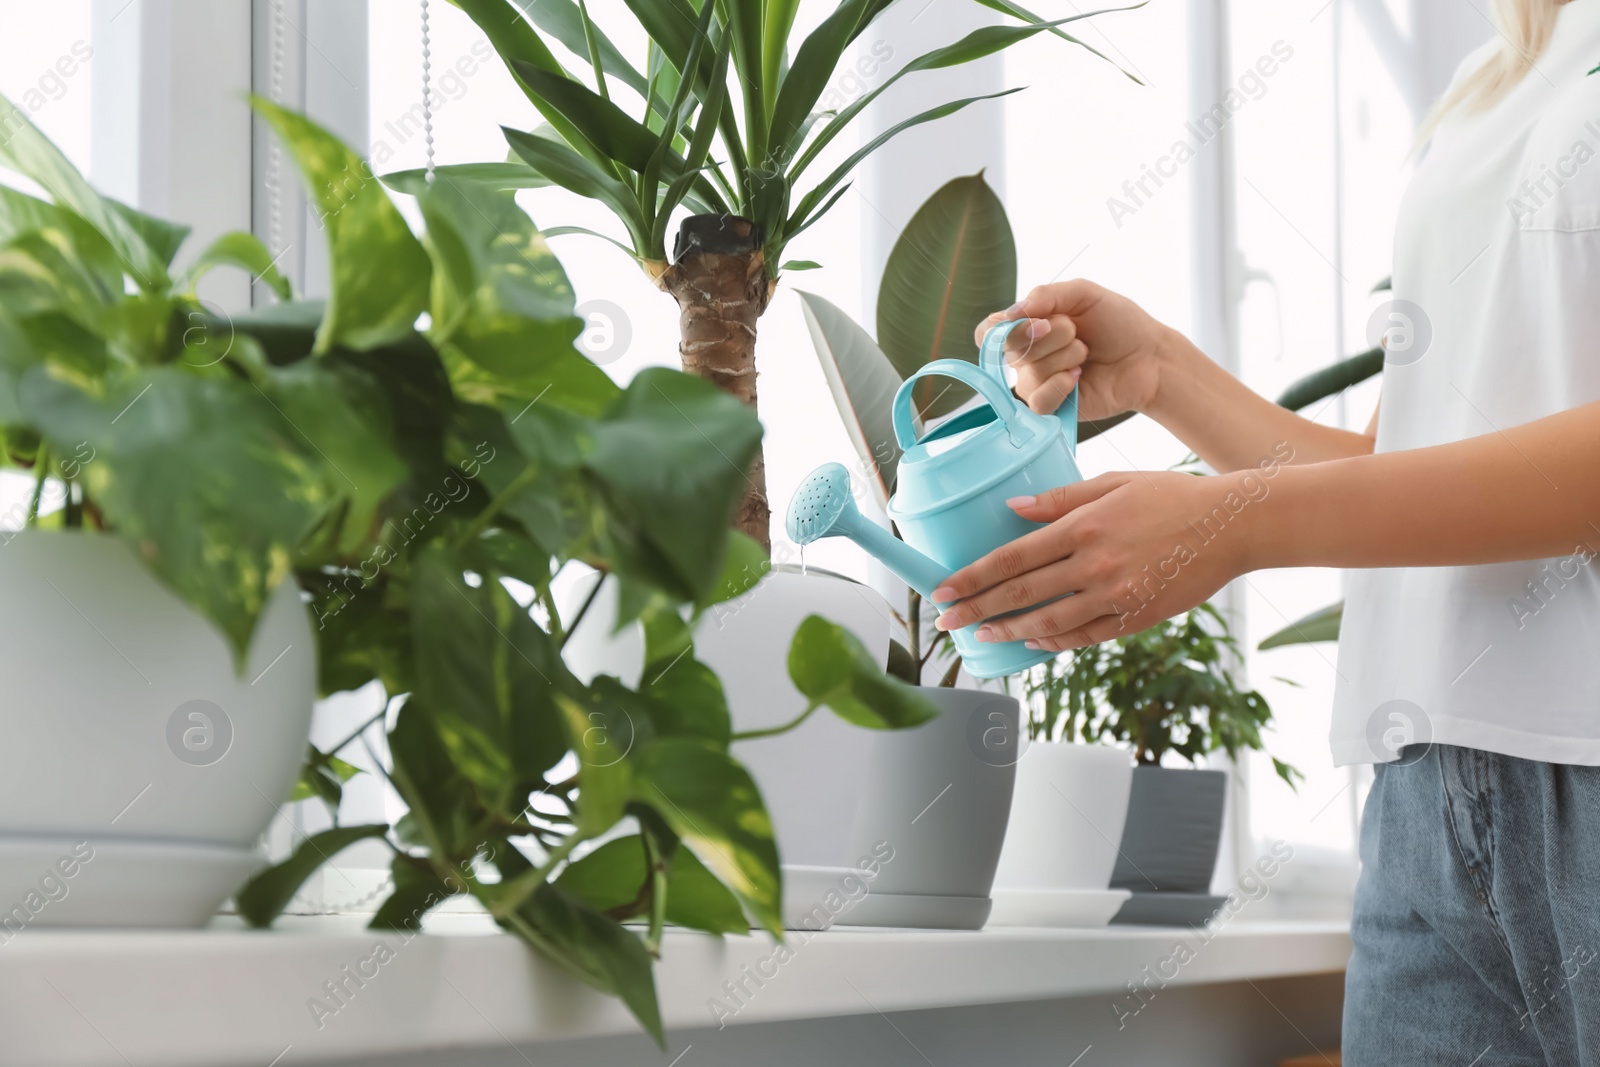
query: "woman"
1472, 507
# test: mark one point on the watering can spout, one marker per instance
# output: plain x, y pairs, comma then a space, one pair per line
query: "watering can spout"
824, 507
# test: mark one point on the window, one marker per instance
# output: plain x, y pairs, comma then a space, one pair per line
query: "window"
47, 70
1265, 255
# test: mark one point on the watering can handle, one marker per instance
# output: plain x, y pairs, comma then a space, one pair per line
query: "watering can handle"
993, 361
999, 397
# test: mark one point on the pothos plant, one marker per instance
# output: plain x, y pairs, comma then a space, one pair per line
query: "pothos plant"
1167, 689
734, 156
424, 488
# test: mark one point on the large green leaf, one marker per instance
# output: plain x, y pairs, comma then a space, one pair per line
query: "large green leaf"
489, 675
144, 245
592, 948
954, 263
1017, 11
808, 210
502, 300
1320, 625
1332, 380
604, 734
777, 21
863, 383
379, 271
567, 23
418, 889
981, 42
517, 41
831, 666
510, 175
573, 172
670, 458
608, 879
202, 476
338, 413
68, 231
263, 897
617, 135
443, 812
711, 802
244, 251
812, 69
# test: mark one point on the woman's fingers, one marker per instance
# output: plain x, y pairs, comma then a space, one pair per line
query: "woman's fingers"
1057, 618
1025, 591
1056, 503
1102, 629
1029, 552
1041, 340
988, 324
1047, 397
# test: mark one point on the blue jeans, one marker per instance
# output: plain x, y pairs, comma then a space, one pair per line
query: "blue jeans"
1477, 917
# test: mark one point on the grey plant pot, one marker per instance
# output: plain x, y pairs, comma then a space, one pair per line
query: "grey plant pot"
1173, 832
939, 796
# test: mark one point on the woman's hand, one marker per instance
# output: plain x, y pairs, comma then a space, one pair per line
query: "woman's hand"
1082, 329
1132, 548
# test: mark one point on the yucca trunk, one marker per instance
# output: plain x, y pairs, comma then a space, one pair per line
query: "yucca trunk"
719, 278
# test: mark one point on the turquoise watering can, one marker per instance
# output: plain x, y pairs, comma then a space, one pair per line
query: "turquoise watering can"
951, 490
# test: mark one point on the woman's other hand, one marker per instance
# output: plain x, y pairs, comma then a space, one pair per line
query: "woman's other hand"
1081, 333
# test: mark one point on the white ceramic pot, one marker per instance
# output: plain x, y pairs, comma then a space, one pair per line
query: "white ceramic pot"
131, 753
937, 799
1067, 818
812, 778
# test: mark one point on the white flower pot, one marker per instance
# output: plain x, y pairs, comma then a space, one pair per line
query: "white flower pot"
137, 769
812, 778
1066, 821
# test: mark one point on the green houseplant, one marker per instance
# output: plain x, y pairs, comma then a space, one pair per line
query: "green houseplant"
409, 482
1167, 690
732, 154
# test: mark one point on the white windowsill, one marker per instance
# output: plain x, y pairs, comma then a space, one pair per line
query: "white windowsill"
228, 995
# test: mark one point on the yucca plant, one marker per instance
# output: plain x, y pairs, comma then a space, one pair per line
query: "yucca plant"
727, 132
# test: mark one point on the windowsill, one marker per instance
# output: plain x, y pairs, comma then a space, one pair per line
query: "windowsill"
229, 995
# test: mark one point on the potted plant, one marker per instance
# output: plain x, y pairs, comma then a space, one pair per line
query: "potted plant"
953, 264
326, 459
565, 807
1067, 818
732, 154
159, 663
1167, 690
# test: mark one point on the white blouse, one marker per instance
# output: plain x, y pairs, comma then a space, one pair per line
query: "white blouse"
1497, 261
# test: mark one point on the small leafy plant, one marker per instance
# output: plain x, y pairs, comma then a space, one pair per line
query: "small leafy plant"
425, 488
1164, 690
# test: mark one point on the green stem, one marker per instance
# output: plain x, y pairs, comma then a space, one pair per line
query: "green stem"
594, 50
481, 521
583, 610
774, 731
656, 881
41, 472
914, 629
548, 600
524, 885
334, 751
